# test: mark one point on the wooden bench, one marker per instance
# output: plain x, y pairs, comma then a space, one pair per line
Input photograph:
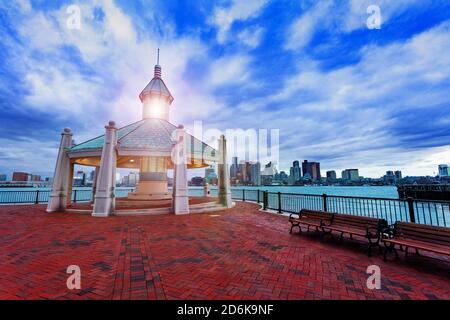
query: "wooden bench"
366, 227
418, 236
309, 218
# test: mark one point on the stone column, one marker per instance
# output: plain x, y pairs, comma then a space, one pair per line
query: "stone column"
58, 195
104, 201
94, 184
224, 177
180, 199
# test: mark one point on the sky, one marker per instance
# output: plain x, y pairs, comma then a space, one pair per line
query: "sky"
339, 92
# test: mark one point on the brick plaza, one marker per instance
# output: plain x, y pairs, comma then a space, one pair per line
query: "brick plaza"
240, 253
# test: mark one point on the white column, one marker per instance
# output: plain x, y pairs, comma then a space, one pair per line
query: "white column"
104, 201
180, 199
94, 184
224, 176
58, 195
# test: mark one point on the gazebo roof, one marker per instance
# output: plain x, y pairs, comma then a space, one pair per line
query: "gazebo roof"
148, 137
156, 87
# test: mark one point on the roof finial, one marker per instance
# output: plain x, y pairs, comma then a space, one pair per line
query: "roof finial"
157, 68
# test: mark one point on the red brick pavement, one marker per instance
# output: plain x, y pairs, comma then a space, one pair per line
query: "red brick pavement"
239, 254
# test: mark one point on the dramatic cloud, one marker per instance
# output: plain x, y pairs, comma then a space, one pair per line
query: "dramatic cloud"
224, 17
339, 93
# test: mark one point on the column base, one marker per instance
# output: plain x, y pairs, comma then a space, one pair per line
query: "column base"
181, 205
57, 203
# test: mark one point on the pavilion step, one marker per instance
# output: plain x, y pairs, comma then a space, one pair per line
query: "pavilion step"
143, 212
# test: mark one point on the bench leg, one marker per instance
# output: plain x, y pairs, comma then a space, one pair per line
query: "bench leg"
417, 252
389, 248
295, 225
373, 244
406, 251
341, 238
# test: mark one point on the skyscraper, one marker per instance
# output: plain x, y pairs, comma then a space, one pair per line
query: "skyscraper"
398, 175
295, 172
331, 175
234, 168
255, 174
2, 177
20, 176
350, 174
443, 170
312, 169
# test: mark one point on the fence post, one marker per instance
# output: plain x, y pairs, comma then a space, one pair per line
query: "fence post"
243, 195
325, 208
411, 209
279, 202
265, 198
37, 197
75, 196
257, 191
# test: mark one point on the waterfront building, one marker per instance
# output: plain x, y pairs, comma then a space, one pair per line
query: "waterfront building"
350, 174
153, 145
131, 179
311, 168
234, 168
255, 174
79, 180
281, 178
211, 175
389, 178
331, 176
398, 175
295, 173
20, 177
443, 170
3, 177
243, 174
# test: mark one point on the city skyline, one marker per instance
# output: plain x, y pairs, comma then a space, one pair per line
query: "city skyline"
340, 93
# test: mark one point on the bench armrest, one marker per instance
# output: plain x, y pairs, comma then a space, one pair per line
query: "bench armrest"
387, 233
325, 222
294, 214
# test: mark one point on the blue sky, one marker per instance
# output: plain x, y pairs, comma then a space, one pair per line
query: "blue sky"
340, 93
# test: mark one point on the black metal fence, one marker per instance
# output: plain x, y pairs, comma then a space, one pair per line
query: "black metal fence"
41, 196
420, 211
410, 210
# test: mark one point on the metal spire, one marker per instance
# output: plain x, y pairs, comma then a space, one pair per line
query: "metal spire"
157, 68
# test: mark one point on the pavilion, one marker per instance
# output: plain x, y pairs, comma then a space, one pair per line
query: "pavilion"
153, 145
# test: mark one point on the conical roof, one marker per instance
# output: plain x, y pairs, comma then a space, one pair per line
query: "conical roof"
156, 87
147, 137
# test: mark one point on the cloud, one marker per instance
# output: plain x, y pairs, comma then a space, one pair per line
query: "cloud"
251, 37
224, 17
301, 31
384, 110
230, 70
340, 17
